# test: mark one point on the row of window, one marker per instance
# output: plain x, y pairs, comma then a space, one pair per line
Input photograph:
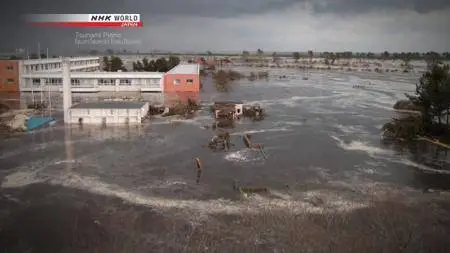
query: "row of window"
8, 81
77, 82
47, 66
110, 111
178, 81
9, 67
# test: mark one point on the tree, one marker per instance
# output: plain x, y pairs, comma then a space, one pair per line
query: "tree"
160, 65
173, 61
209, 53
296, 56
113, 64
109, 51
333, 57
433, 93
260, 53
386, 55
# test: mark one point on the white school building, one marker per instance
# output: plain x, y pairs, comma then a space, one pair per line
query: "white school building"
46, 75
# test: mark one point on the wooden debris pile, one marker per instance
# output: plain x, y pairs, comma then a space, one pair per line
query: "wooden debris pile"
220, 142
155, 110
254, 112
186, 110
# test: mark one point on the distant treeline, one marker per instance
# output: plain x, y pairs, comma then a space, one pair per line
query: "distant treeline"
260, 53
114, 63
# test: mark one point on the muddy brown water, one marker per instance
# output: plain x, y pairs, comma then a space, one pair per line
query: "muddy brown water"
320, 135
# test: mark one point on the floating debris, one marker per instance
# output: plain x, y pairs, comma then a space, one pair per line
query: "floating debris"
255, 112
257, 147
434, 141
199, 164
221, 141
245, 191
186, 110
247, 140
156, 110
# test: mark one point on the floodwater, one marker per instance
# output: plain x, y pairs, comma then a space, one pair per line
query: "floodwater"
321, 137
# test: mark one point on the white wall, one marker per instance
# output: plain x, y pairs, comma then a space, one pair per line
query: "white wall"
112, 116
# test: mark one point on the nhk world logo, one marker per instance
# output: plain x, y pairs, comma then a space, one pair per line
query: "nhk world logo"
86, 20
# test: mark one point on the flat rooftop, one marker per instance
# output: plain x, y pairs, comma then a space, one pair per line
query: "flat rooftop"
108, 105
185, 69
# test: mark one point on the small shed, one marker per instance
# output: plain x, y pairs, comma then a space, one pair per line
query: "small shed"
108, 113
228, 109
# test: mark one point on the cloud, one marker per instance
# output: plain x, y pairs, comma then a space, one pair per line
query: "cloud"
235, 25
218, 8
366, 6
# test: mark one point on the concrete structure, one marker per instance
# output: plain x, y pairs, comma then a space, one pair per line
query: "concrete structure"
108, 113
183, 78
23, 75
96, 82
43, 75
9, 76
67, 94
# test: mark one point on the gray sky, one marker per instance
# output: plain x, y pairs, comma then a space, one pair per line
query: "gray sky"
236, 25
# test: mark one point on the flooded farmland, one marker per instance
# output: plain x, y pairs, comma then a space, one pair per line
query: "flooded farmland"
332, 183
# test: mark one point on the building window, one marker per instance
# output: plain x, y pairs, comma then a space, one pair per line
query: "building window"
54, 81
107, 82
189, 81
75, 82
125, 82
176, 81
88, 112
36, 81
10, 81
111, 111
9, 67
